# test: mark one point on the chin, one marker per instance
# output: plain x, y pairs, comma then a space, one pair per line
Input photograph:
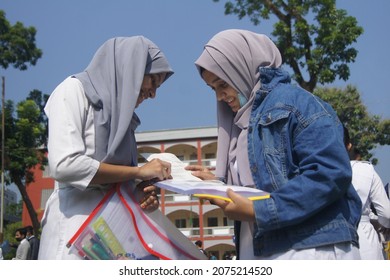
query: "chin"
235, 109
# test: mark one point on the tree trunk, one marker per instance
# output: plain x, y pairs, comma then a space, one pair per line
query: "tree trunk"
30, 208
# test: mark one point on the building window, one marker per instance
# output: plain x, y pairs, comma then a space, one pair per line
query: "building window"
195, 222
193, 157
212, 221
181, 223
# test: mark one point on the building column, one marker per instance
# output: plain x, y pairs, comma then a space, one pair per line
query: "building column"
162, 191
199, 151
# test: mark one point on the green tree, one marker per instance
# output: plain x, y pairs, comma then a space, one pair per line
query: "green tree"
26, 129
366, 131
17, 44
18, 49
313, 36
14, 209
10, 237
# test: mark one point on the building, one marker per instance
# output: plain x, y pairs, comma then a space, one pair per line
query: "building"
198, 220
10, 197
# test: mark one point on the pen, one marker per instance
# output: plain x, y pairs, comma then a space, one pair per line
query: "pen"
106, 248
99, 250
89, 253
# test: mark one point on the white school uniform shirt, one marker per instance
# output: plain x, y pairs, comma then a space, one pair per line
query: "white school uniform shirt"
370, 189
70, 149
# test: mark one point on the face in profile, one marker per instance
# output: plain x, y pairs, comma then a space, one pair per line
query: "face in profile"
222, 89
149, 86
19, 236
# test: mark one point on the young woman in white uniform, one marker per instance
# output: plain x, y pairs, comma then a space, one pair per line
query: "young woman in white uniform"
91, 136
371, 191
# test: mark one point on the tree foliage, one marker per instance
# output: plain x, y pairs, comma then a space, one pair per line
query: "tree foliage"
313, 36
17, 44
14, 209
366, 131
9, 237
25, 130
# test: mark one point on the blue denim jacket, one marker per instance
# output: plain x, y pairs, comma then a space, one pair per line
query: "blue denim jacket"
296, 152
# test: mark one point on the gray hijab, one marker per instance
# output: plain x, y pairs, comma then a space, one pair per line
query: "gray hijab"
112, 82
235, 56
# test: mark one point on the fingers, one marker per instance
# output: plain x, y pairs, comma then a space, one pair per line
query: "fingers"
164, 168
194, 168
201, 172
151, 203
150, 189
150, 200
156, 168
233, 195
144, 184
240, 208
166, 171
219, 202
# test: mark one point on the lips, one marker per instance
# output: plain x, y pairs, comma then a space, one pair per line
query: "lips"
230, 100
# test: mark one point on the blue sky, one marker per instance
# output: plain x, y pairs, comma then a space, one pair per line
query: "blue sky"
69, 32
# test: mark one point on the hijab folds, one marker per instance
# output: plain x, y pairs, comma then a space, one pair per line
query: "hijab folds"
235, 56
112, 82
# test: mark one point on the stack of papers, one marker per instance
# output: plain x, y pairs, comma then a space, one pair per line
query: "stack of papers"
184, 182
210, 189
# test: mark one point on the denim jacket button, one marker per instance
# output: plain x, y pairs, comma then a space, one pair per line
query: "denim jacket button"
269, 118
250, 129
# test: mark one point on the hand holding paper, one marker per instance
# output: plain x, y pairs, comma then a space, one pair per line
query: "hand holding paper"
239, 208
184, 182
150, 200
201, 172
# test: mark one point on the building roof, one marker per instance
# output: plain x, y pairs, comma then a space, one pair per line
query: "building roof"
176, 134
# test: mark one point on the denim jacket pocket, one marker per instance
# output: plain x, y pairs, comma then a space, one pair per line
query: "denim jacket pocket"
274, 134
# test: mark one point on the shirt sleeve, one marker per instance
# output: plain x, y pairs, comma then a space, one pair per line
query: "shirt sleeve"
67, 110
380, 200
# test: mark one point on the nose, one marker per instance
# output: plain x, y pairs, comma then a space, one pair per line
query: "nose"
152, 93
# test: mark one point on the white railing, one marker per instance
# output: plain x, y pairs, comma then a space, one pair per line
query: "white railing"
178, 198
208, 231
210, 162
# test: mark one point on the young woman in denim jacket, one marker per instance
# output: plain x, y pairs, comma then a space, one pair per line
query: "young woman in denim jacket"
277, 137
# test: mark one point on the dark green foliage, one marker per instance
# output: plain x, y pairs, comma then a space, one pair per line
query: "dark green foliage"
17, 45
314, 38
